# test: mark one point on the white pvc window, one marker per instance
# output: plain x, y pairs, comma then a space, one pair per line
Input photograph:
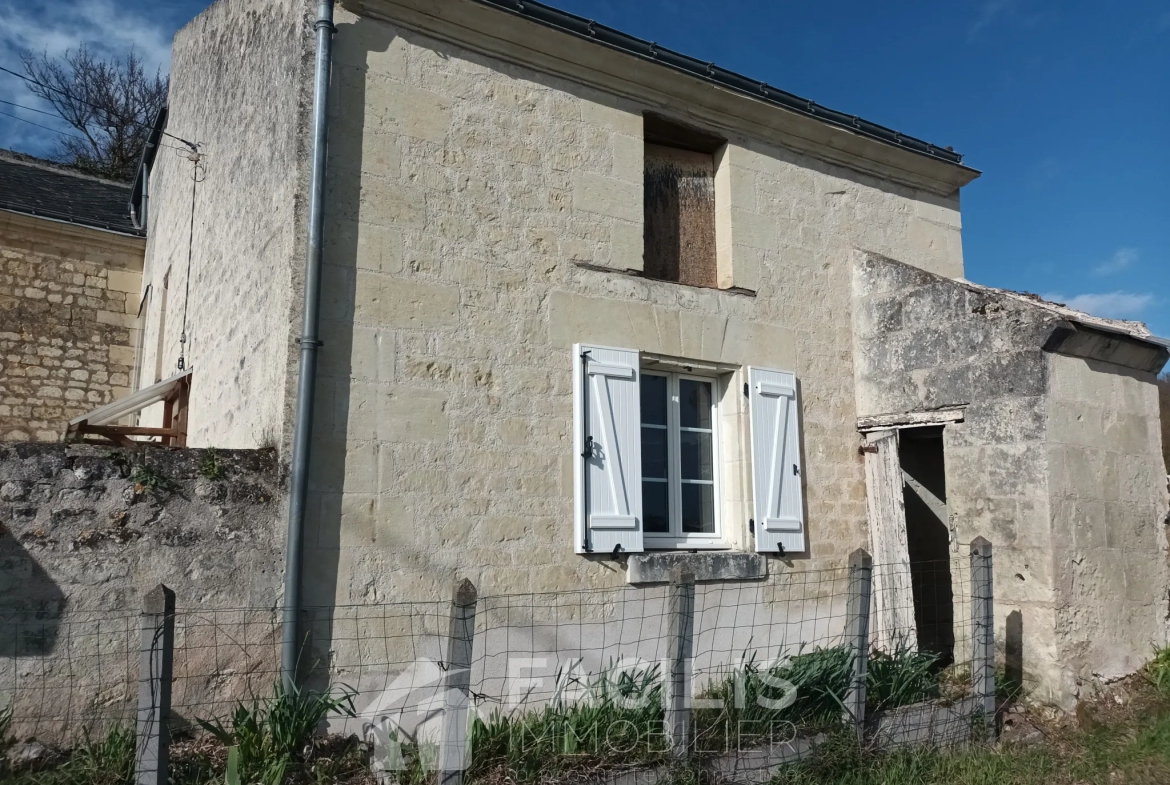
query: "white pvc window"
680, 469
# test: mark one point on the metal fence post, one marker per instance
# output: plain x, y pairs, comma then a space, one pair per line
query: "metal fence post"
857, 635
983, 624
677, 720
154, 687
457, 685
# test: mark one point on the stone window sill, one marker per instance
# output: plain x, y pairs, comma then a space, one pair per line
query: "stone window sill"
642, 568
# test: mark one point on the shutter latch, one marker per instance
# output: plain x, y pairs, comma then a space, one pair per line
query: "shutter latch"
745, 390
796, 470
588, 451
752, 525
617, 549
780, 550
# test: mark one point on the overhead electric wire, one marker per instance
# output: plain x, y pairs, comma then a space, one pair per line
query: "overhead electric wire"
45, 127
72, 97
29, 108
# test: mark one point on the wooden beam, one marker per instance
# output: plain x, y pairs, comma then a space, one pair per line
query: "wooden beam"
883, 422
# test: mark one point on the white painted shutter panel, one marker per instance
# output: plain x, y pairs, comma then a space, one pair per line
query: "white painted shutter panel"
776, 472
607, 412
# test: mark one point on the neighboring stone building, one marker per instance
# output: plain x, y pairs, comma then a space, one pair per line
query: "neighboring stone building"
514, 209
69, 295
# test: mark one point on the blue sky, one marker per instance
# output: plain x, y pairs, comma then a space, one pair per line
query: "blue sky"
1063, 104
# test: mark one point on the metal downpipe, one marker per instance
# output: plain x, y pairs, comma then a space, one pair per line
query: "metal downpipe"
303, 422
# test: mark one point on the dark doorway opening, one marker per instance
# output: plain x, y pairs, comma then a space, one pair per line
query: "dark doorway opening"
924, 488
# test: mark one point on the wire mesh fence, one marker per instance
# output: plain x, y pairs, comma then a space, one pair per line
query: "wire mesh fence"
740, 677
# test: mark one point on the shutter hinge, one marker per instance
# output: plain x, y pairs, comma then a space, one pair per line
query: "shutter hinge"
752, 525
588, 451
863, 449
745, 390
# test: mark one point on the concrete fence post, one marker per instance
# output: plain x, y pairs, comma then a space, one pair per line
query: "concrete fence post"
152, 757
857, 635
681, 616
453, 752
983, 628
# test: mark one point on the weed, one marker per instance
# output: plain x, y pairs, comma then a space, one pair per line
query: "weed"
151, 479
1158, 669
900, 677
275, 737
618, 718
109, 761
210, 466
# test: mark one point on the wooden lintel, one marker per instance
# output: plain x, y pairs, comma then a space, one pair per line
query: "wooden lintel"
885, 422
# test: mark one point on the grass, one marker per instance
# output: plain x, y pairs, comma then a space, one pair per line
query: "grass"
618, 720
1157, 670
107, 761
1131, 750
275, 739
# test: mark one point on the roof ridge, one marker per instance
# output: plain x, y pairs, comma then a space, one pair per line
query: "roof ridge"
14, 156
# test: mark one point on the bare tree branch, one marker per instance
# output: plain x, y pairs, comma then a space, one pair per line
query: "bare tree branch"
110, 103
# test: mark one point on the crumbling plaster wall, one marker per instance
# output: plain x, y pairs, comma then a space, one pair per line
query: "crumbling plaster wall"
923, 341
68, 310
1107, 485
85, 532
240, 87
482, 216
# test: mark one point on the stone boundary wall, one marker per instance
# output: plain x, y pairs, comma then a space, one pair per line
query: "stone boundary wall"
87, 530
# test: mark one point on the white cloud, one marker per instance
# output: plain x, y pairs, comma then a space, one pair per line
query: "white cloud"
1122, 259
1114, 305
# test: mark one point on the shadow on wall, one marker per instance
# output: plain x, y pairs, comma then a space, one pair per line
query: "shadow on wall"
1164, 406
31, 603
320, 591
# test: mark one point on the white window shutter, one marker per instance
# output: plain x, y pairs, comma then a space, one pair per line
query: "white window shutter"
776, 469
607, 424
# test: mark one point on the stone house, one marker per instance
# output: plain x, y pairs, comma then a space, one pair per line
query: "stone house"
69, 295
591, 307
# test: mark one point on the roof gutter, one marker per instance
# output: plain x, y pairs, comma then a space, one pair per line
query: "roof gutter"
303, 418
709, 72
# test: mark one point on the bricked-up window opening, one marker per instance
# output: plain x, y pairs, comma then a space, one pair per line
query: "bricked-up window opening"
679, 203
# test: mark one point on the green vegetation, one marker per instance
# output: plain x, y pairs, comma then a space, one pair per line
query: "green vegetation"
210, 466
273, 740
108, 761
1158, 669
1133, 749
151, 479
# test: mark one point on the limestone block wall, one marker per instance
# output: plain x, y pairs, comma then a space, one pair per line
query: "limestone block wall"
482, 216
1107, 486
69, 299
1034, 467
240, 88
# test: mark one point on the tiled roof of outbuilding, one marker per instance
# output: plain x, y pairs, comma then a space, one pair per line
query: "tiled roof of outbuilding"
37, 187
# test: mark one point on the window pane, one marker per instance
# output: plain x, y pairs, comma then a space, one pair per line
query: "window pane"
654, 452
655, 507
695, 401
698, 457
653, 391
698, 509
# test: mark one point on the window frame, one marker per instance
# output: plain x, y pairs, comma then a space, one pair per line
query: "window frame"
676, 539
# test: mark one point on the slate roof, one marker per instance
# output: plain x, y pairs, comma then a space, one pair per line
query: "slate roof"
36, 187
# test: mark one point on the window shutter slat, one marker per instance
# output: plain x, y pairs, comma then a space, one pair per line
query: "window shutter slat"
776, 470
607, 410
